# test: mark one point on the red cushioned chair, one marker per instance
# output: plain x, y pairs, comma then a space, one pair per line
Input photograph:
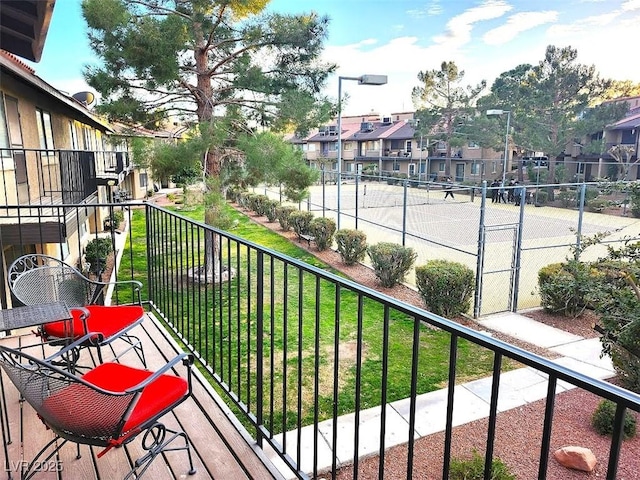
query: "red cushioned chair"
36, 278
108, 406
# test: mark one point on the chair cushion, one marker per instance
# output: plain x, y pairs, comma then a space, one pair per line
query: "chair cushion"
156, 397
79, 411
108, 320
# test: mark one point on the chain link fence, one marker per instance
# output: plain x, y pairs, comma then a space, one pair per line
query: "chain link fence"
504, 243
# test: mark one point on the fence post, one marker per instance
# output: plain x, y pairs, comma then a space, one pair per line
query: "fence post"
323, 194
583, 194
357, 183
516, 274
477, 298
404, 212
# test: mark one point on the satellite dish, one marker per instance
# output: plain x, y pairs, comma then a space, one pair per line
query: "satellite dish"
85, 98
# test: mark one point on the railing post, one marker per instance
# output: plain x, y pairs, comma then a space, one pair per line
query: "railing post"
259, 345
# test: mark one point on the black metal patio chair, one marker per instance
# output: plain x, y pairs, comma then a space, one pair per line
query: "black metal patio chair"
36, 278
108, 406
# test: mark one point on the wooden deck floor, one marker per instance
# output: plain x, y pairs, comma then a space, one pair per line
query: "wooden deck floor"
220, 451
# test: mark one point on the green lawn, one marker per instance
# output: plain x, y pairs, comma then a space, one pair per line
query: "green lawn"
221, 340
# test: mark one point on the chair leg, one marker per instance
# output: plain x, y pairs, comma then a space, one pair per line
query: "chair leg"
155, 442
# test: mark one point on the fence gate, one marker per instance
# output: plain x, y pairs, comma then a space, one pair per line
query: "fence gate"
498, 265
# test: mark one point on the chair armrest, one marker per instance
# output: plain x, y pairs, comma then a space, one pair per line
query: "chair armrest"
136, 285
91, 336
185, 358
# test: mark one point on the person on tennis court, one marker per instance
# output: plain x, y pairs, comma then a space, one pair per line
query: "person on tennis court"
448, 189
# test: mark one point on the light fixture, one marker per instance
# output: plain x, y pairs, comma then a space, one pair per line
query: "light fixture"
362, 80
506, 140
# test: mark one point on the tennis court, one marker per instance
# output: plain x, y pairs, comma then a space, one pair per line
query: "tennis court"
437, 228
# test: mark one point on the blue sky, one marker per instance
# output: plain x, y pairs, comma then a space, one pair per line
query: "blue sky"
398, 38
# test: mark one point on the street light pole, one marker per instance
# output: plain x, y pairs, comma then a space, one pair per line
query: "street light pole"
506, 140
362, 80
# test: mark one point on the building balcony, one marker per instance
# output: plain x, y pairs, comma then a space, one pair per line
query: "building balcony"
302, 363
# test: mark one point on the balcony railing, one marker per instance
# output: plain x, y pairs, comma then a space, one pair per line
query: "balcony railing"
46, 176
36, 176
296, 348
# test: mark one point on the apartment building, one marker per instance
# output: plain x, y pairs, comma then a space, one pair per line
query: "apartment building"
389, 144
54, 152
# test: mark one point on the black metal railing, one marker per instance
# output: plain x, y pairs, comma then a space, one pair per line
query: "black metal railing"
39, 177
273, 332
301, 353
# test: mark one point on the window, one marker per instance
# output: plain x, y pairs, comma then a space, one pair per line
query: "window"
333, 147
45, 131
74, 135
441, 166
494, 168
87, 136
472, 144
144, 180
396, 166
4, 132
475, 168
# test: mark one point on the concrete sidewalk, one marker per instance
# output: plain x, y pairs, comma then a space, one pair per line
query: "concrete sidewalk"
517, 387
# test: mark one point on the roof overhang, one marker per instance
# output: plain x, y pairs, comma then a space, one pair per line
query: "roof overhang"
24, 25
9, 67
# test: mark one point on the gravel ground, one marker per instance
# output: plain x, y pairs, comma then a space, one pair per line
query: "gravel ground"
518, 431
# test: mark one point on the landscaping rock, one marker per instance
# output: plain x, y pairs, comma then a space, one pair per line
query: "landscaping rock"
577, 458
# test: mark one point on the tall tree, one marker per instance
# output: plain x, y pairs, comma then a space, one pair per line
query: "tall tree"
443, 104
204, 60
552, 103
200, 59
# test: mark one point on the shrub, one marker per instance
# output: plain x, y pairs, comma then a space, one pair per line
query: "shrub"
283, 212
352, 245
96, 253
270, 210
563, 287
634, 198
603, 418
245, 200
117, 218
301, 222
590, 193
598, 205
322, 229
445, 287
114, 220
391, 262
567, 198
542, 197
253, 202
473, 469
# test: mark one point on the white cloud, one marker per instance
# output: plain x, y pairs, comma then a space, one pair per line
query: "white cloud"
432, 9
630, 5
518, 23
459, 27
